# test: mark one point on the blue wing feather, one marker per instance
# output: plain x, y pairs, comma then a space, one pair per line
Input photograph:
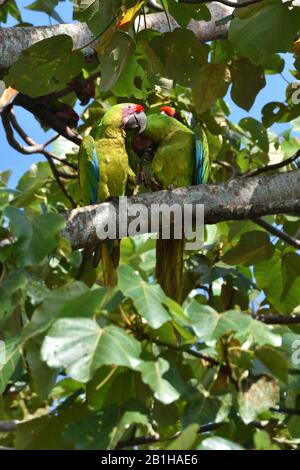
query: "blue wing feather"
96, 177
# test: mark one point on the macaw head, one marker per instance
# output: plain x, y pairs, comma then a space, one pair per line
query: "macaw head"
127, 116
133, 117
171, 112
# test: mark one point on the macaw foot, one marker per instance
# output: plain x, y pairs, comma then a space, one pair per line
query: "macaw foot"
152, 183
140, 177
113, 199
171, 187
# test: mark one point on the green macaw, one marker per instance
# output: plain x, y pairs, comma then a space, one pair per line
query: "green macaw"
181, 158
104, 169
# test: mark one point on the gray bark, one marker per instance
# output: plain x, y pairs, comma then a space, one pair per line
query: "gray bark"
237, 199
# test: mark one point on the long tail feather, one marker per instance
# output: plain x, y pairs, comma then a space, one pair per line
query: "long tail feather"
169, 267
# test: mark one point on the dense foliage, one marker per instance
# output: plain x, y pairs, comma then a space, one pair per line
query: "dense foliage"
88, 367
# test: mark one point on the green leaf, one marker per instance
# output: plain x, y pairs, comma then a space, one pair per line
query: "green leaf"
258, 397
207, 409
171, 49
37, 240
50, 64
114, 59
219, 443
186, 440
47, 6
275, 361
46, 432
31, 183
152, 374
104, 429
271, 29
147, 298
280, 283
80, 346
43, 377
263, 441
257, 131
10, 355
247, 80
209, 85
183, 13
253, 247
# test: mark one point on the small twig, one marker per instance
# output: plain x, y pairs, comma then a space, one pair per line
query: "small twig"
277, 232
271, 319
9, 119
189, 351
167, 16
37, 108
225, 164
286, 411
144, 440
273, 167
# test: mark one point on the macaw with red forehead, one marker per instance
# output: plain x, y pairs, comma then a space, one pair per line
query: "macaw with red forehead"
104, 168
181, 158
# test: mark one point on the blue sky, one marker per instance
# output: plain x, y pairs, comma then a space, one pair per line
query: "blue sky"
10, 159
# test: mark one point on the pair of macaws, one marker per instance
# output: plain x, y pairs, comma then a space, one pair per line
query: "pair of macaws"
181, 158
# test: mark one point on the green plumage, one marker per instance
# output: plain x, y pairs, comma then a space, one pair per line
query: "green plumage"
181, 159
103, 173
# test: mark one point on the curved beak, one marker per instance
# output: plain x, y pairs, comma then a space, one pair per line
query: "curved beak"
136, 121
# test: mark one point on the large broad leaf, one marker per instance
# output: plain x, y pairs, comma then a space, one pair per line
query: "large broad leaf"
46, 432
259, 397
211, 326
10, 353
257, 132
183, 13
147, 298
186, 440
35, 240
271, 29
253, 247
152, 374
31, 183
219, 443
181, 54
279, 281
45, 67
209, 85
207, 409
80, 346
247, 80
114, 59
104, 429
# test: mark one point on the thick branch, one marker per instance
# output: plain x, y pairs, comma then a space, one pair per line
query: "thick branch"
238, 199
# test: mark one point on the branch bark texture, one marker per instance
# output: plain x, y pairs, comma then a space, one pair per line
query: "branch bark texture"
238, 199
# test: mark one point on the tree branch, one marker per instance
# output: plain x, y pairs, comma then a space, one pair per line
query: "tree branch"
8, 426
14, 40
271, 319
275, 166
278, 233
237, 199
9, 120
